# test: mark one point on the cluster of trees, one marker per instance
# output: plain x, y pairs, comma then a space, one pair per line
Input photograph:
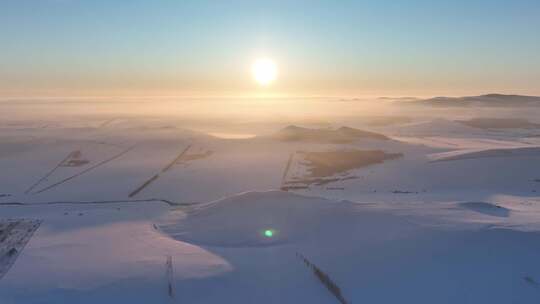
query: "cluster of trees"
324, 279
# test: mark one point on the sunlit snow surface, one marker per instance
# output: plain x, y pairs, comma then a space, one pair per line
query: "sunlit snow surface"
153, 209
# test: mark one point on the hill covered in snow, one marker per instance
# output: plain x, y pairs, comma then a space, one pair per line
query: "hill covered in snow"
488, 100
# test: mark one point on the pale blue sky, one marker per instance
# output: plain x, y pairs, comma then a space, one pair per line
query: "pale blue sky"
416, 47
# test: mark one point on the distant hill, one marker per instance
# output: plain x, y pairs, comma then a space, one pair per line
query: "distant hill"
499, 123
435, 127
488, 100
398, 98
340, 135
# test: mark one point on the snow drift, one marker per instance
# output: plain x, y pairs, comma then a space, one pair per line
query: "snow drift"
487, 153
244, 220
486, 208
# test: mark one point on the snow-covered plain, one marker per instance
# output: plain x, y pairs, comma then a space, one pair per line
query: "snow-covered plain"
151, 209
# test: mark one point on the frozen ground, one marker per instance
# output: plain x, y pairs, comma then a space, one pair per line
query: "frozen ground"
14, 234
118, 208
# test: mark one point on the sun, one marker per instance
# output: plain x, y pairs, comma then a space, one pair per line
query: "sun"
264, 71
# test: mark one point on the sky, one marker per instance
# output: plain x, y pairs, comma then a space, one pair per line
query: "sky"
322, 48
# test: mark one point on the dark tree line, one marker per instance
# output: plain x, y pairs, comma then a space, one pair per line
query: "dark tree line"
324, 279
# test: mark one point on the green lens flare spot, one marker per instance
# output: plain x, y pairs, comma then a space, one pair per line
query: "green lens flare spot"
269, 233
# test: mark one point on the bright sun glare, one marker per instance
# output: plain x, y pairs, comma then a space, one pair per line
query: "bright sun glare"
264, 71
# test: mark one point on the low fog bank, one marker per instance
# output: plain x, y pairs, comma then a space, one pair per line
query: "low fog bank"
259, 116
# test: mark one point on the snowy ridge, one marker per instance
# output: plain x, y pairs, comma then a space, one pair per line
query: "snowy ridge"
487, 153
243, 219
